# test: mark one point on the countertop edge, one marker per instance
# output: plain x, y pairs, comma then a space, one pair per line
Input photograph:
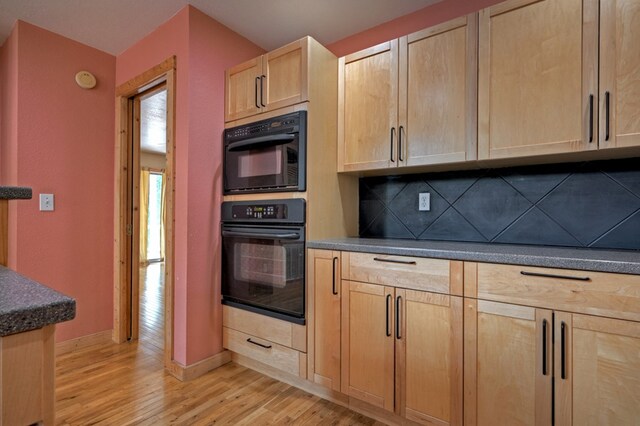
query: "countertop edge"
15, 193
488, 256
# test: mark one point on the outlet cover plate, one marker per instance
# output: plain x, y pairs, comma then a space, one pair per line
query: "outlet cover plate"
424, 202
46, 202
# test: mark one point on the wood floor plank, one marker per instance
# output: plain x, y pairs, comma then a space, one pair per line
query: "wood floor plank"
110, 384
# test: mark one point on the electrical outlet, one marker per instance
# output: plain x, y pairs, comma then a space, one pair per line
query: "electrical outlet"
46, 202
424, 202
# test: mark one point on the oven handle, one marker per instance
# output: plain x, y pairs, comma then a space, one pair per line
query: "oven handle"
247, 144
279, 236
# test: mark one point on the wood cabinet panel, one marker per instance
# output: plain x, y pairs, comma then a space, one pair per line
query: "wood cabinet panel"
619, 73
537, 74
242, 89
368, 343
367, 108
602, 371
416, 273
286, 74
438, 93
596, 293
324, 318
429, 357
504, 346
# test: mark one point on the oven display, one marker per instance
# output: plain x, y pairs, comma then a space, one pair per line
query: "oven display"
264, 211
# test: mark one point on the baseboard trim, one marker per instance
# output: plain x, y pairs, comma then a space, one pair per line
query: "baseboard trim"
83, 342
200, 368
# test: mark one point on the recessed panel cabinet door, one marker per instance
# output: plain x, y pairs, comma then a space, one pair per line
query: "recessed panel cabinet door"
597, 370
508, 365
438, 93
324, 318
368, 343
285, 75
429, 357
619, 73
242, 94
368, 108
537, 78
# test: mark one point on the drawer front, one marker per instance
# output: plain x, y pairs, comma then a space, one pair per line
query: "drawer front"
415, 273
270, 353
595, 293
282, 332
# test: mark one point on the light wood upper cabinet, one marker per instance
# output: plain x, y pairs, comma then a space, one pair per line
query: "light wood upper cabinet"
619, 73
438, 94
507, 358
537, 78
274, 80
368, 108
601, 383
324, 318
411, 101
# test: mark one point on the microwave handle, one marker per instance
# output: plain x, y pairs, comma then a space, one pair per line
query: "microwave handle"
287, 236
249, 143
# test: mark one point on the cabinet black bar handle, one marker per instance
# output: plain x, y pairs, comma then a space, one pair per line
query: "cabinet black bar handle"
398, 300
400, 143
562, 277
388, 326
257, 78
404, 262
563, 351
590, 118
262, 77
607, 99
544, 347
393, 131
334, 290
258, 344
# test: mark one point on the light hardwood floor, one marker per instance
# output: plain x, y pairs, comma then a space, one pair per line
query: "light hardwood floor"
110, 384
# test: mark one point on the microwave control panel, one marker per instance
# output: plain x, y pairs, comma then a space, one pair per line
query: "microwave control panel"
260, 211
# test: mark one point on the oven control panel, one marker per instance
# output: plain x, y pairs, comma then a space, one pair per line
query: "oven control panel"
260, 211
285, 211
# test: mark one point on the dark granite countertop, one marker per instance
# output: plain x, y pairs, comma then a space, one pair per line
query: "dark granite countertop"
15, 193
624, 262
27, 305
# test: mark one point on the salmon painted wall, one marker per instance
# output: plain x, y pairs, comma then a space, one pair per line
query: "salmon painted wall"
65, 138
423, 18
203, 49
9, 127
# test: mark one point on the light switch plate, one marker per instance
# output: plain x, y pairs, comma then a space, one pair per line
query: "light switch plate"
46, 202
424, 202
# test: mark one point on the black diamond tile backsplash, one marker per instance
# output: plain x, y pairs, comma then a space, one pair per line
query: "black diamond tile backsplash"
592, 204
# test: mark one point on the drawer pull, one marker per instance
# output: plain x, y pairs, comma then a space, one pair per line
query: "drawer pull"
398, 303
333, 284
562, 277
388, 321
404, 262
258, 344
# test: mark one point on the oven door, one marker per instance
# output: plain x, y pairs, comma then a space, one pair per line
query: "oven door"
264, 163
263, 269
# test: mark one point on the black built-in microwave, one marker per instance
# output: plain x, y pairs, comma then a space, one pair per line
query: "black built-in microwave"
266, 156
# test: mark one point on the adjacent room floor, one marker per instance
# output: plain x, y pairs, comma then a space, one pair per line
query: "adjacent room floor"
125, 384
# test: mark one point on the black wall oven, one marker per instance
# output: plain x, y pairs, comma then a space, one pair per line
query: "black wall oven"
266, 156
263, 257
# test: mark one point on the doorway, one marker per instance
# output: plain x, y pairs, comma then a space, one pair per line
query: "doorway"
144, 208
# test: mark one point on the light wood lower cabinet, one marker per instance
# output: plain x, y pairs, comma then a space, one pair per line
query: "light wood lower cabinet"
402, 351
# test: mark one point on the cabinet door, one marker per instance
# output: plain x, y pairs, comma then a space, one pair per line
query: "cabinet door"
368, 108
324, 318
368, 343
429, 357
507, 364
438, 93
285, 75
619, 73
537, 78
242, 90
599, 381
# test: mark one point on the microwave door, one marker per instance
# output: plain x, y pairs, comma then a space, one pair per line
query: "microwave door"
261, 142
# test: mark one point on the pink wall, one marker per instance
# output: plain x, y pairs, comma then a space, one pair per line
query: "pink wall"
423, 18
65, 139
204, 49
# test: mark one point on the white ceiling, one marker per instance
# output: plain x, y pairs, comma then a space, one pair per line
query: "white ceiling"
153, 123
115, 25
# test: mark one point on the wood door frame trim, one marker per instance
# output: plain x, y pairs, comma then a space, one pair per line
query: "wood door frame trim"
163, 72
